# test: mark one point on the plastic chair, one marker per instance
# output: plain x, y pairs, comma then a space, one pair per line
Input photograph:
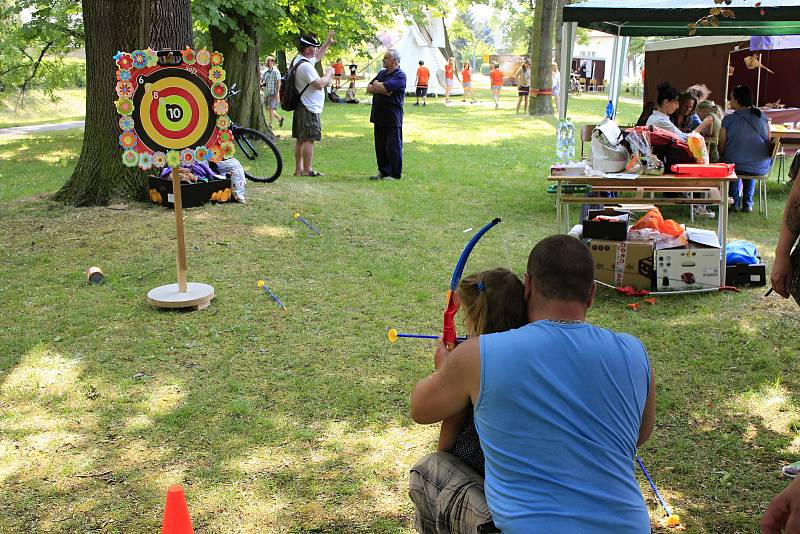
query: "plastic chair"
592, 85
761, 181
586, 134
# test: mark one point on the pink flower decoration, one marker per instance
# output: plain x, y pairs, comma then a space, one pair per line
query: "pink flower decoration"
124, 89
220, 107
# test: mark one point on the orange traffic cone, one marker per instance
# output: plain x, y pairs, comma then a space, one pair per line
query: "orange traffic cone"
176, 513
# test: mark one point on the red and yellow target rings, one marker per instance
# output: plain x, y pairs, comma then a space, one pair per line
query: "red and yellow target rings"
216, 58
219, 90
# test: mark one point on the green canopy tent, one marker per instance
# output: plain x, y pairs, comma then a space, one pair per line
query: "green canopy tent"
630, 18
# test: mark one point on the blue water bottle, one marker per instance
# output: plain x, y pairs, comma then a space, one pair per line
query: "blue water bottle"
610, 110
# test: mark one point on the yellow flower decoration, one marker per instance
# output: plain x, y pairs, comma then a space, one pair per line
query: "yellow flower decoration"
223, 122
173, 158
216, 74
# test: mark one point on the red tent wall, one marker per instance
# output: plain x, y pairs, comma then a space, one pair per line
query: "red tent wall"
782, 85
683, 67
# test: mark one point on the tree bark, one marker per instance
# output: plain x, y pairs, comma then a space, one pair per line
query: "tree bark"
99, 173
541, 75
557, 28
241, 68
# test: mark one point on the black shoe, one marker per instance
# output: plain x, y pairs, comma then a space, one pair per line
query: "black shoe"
416, 103
376, 177
748, 209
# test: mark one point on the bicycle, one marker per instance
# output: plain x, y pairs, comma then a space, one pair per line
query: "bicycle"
256, 147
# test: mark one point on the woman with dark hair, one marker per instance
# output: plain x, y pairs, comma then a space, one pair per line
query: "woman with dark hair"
744, 141
686, 118
667, 103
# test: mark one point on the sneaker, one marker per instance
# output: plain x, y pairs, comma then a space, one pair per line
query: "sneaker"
280, 122
791, 470
391, 177
748, 209
376, 176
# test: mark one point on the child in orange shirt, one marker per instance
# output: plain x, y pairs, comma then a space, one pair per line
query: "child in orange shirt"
496, 77
449, 70
466, 81
423, 76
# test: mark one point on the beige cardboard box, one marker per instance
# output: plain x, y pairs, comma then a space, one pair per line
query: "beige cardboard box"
623, 263
696, 266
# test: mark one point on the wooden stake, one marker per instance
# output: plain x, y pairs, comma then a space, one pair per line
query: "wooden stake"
176, 201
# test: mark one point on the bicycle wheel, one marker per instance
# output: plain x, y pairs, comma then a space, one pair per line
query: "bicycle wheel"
258, 155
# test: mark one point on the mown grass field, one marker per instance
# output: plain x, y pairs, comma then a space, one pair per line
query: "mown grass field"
298, 421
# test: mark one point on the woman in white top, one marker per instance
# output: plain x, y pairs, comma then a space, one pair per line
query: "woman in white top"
667, 103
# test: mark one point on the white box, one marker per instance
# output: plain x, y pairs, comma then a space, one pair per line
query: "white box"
696, 266
569, 169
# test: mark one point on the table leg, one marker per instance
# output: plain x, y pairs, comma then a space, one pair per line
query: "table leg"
722, 230
559, 221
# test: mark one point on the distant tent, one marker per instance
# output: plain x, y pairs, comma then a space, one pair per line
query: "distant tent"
426, 43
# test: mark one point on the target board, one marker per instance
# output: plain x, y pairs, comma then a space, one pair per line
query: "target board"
173, 108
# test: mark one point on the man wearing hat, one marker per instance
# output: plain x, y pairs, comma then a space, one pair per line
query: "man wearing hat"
271, 84
306, 125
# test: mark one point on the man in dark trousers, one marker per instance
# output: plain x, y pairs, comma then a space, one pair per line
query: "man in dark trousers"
388, 91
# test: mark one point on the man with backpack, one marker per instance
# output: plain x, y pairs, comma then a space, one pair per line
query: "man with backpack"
306, 125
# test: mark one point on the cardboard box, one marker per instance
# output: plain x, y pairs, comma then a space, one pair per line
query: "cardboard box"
623, 263
613, 230
568, 169
695, 266
192, 193
744, 275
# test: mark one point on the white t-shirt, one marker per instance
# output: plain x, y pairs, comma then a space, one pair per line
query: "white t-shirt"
661, 120
313, 99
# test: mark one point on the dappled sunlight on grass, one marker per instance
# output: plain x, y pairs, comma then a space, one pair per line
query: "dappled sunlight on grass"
165, 398
42, 373
772, 404
273, 231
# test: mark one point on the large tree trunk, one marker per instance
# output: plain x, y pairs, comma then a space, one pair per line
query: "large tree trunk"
241, 68
557, 28
541, 58
99, 173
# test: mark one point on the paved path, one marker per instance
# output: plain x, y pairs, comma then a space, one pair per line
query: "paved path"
21, 130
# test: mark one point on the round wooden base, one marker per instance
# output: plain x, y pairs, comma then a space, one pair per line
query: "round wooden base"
197, 296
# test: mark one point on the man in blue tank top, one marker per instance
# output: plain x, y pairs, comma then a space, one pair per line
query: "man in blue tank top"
560, 407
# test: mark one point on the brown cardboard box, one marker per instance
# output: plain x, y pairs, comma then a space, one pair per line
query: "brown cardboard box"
623, 263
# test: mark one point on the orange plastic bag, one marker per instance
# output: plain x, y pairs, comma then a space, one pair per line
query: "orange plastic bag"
655, 221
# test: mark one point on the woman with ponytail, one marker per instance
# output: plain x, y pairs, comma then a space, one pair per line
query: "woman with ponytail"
492, 301
744, 141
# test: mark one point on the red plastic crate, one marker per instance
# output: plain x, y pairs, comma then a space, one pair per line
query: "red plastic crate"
710, 170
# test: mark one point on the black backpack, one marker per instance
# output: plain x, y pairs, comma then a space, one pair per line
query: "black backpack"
289, 95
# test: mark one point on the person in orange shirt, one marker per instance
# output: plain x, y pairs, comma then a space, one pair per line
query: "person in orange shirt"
338, 72
449, 70
496, 77
466, 81
423, 75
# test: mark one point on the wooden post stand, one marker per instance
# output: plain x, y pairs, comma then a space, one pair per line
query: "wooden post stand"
193, 296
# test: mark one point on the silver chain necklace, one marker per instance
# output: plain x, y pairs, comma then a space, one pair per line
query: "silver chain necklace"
566, 321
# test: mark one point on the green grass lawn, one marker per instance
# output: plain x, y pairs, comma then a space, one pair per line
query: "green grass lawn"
39, 108
298, 421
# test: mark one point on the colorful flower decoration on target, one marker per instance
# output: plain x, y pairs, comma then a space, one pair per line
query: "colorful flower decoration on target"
171, 112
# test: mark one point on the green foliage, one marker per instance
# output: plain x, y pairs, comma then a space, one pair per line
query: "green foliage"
298, 422
278, 23
34, 37
470, 38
